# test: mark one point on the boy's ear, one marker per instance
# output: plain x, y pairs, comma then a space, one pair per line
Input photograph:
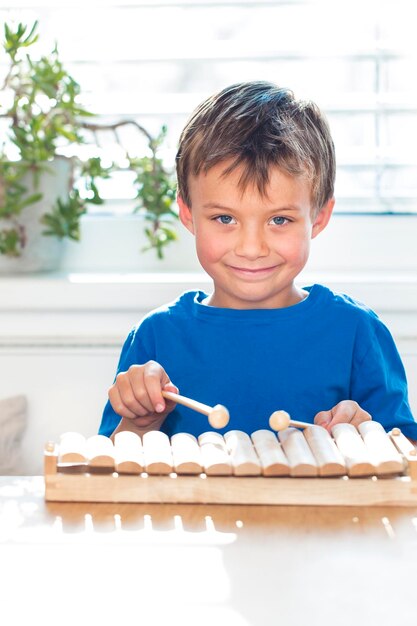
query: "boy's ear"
185, 215
322, 218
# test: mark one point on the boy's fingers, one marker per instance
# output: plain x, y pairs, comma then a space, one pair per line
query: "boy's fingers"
155, 379
361, 416
170, 404
144, 395
171, 387
345, 412
137, 392
323, 418
125, 384
118, 405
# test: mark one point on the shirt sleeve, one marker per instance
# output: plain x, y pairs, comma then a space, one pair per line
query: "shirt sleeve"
379, 382
136, 350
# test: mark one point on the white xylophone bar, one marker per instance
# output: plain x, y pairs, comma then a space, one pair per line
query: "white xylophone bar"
73, 448
100, 452
383, 453
354, 451
298, 452
157, 453
329, 458
215, 458
243, 455
271, 455
186, 454
128, 453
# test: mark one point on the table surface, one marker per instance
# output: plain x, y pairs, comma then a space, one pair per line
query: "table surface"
81, 563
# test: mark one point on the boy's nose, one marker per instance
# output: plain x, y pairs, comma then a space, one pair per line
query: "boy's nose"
251, 244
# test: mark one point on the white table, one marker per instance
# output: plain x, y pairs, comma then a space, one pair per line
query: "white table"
66, 563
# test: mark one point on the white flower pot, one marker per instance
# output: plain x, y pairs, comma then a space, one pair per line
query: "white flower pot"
41, 253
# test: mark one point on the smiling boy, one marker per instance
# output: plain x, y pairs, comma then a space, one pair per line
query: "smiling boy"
252, 245
256, 171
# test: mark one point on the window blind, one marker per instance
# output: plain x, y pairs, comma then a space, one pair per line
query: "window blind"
155, 61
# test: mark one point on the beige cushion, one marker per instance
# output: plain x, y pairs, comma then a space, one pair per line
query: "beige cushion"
13, 419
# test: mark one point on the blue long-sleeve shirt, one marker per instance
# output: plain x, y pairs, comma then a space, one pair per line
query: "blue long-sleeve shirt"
303, 359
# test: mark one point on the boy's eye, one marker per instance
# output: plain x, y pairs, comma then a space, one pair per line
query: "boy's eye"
279, 221
224, 219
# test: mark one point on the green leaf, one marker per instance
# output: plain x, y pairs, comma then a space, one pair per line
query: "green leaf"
10, 244
64, 219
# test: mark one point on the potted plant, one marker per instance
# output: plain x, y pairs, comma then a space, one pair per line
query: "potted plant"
46, 184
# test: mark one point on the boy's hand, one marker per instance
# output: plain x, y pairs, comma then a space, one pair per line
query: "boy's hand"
347, 411
136, 396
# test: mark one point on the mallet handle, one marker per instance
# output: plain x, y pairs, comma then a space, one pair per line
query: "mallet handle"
188, 402
297, 424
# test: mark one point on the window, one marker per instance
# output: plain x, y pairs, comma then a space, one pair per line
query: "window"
155, 61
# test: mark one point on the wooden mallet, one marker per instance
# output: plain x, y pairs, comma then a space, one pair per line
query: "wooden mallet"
279, 420
218, 416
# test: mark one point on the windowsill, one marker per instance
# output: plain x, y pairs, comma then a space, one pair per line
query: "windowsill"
94, 291
98, 309
130, 291
106, 285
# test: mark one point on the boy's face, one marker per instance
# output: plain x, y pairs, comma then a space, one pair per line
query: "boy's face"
252, 246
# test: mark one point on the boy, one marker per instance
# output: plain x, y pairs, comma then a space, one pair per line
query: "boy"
256, 174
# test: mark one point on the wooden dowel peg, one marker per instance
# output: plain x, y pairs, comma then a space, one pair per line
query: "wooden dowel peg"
407, 449
218, 416
50, 458
279, 420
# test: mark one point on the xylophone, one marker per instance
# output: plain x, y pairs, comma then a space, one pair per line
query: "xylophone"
364, 466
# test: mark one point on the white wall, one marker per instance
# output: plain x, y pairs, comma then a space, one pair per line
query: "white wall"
66, 389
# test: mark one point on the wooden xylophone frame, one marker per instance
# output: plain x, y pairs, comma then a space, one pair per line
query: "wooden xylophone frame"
94, 486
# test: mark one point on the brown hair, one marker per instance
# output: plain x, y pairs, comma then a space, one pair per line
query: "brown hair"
258, 125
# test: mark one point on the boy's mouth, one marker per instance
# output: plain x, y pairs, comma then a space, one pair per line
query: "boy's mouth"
253, 272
